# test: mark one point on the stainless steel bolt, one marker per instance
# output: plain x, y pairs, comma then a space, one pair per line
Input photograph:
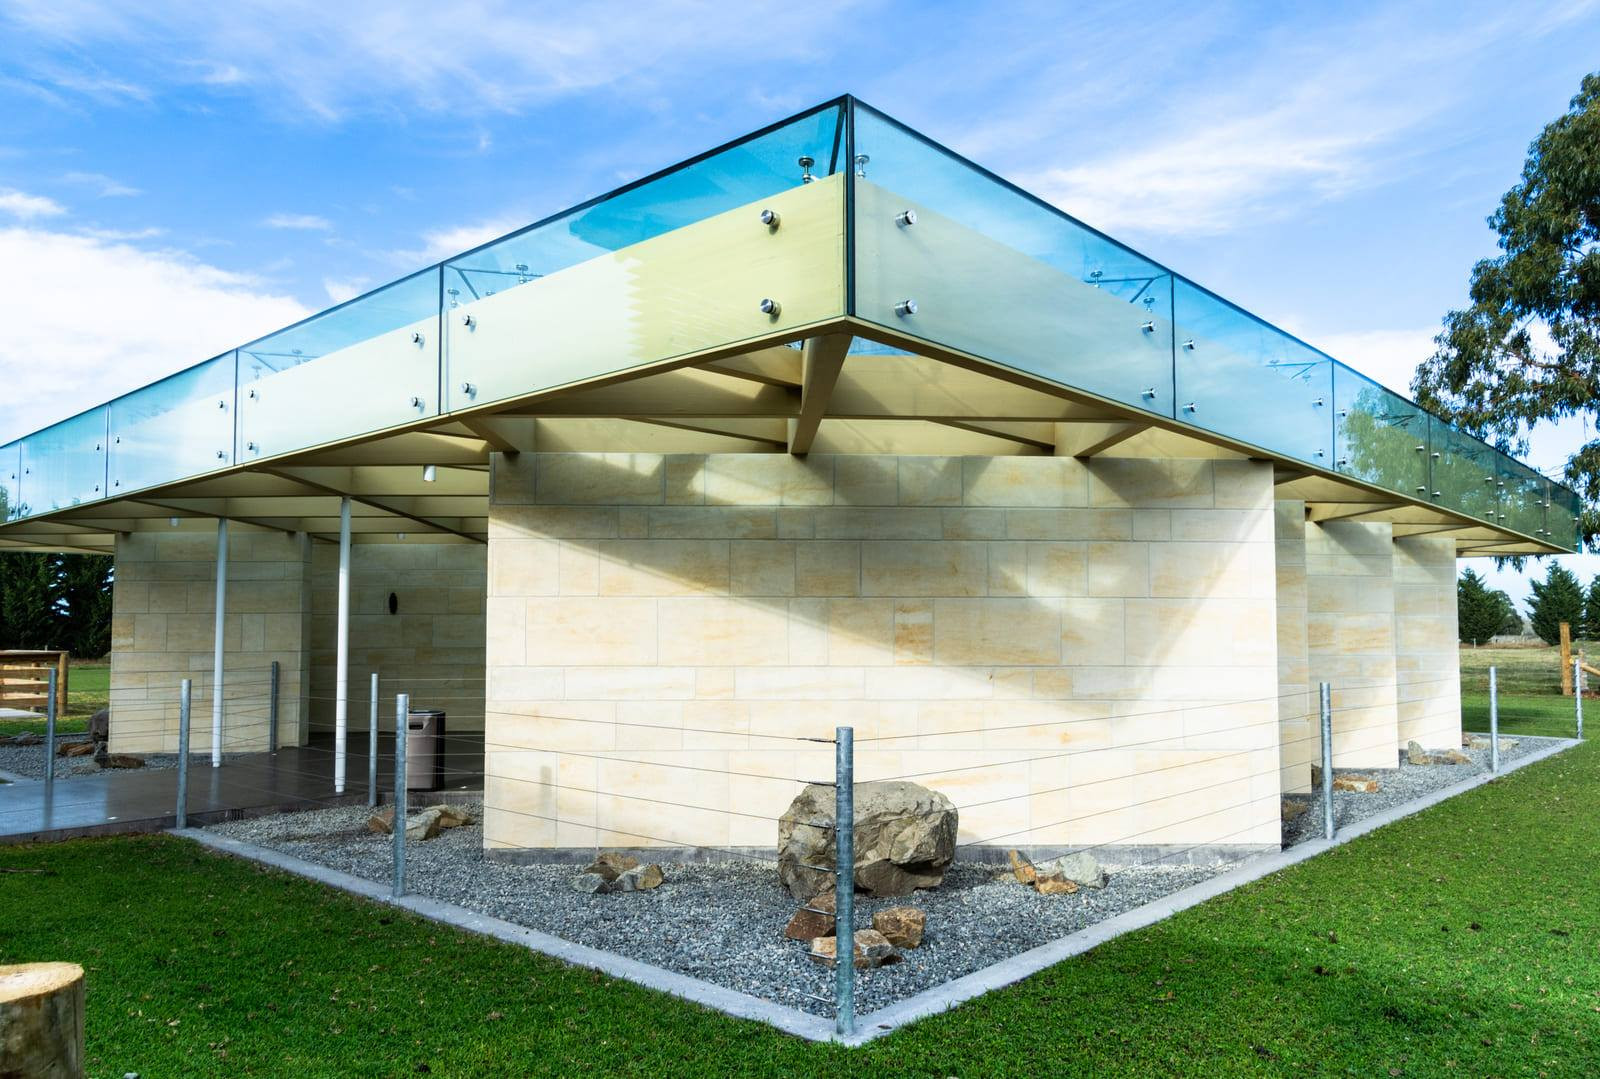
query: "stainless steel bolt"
906, 218
905, 307
770, 218
771, 307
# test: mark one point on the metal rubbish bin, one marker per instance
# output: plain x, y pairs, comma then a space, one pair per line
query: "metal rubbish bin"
424, 749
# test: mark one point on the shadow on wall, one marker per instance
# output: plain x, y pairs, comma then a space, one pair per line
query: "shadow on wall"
1025, 634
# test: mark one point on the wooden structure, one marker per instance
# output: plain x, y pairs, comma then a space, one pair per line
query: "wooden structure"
25, 679
41, 1020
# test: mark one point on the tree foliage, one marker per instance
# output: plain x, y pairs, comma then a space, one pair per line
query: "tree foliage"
1527, 349
1556, 599
56, 601
1482, 613
1591, 611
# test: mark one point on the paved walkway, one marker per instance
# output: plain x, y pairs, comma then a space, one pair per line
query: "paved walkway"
140, 800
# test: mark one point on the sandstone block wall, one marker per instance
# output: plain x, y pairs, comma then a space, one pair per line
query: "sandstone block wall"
1350, 634
1298, 717
1427, 652
432, 647
162, 631
1073, 652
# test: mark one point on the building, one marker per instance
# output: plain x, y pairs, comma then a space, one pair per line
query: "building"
827, 426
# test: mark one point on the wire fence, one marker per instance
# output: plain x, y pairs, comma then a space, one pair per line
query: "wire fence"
1083, 788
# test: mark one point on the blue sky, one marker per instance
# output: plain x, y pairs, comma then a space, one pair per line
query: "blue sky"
176, 178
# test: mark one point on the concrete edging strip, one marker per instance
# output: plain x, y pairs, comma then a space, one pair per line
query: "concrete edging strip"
927, 1003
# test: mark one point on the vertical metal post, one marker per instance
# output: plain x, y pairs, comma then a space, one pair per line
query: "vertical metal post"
402, 709
185, 691
341, 691
372, 744
1577, 693
844, 887
272, 710
1494, 721
50, 736
1326, 693
216, 655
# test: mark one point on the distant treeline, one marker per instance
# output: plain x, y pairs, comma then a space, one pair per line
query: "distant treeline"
56, 601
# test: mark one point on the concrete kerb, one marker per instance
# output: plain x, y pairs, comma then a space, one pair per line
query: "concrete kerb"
885, 1020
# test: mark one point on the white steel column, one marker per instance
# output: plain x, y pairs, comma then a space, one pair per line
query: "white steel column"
341, 704
216, 655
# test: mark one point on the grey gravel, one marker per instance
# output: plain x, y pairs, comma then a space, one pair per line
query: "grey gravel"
1396, 786
28, 761
722, 921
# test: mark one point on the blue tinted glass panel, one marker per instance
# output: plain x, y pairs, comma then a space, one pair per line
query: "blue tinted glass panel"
370, 364
1240, 377
178, 427
630, 292
65, 465
1380, 437
1565, 516
1522, 505
1463, 476
947, 253
10, 480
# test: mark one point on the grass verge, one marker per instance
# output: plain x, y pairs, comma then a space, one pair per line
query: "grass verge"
1464, 940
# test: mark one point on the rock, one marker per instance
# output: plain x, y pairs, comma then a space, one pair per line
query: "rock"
611, 864
813, 920
1356, 784
1452, 756
1316, 777
75, 749
872, 949
100, 726
905, 838
900, 926
641, 878
424, 824
1055, 886
382, 821
1023, 870
26, 738
1475, 741
1080, 868
1415, 753
453, 817
592, 883
118, 760
1293, 810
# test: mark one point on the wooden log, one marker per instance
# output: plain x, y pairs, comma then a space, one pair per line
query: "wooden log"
41, 1021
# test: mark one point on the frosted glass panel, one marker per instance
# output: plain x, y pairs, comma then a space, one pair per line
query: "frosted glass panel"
64, 465
181, 426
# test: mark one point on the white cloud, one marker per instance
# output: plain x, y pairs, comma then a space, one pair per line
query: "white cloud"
1387, 356
469, 57
340, 291
441, 244
27, 207
104, 186
91, 334
306, 222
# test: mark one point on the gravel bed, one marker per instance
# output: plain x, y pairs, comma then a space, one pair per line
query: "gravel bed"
28, 761
722, 921
1398, 785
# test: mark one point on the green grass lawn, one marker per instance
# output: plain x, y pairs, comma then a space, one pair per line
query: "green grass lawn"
1463, 941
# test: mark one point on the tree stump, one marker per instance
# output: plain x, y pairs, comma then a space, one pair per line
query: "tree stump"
41, 1021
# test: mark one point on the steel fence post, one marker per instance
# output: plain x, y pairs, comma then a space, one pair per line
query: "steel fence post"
185, 694
1326, 694
402, 709
372, 744
50, 736
844, 876
1494, 720
1577, 694
272, 710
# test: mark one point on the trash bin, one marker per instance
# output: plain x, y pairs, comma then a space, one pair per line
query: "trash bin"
424, 749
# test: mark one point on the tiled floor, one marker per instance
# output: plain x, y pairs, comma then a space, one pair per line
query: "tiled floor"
145, 800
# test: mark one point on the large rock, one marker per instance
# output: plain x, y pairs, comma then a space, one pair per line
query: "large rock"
1355, 784
813, 920
905, 838
1415, 754
1079, 868
901, 926
100, 726
610, 864
872, 949
641, 878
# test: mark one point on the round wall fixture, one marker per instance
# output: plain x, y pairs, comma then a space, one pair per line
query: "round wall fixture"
394, 603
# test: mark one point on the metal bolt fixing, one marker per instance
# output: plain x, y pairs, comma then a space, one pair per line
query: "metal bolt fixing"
905, 307
805, 161
906, 218
770, 218
770, 307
